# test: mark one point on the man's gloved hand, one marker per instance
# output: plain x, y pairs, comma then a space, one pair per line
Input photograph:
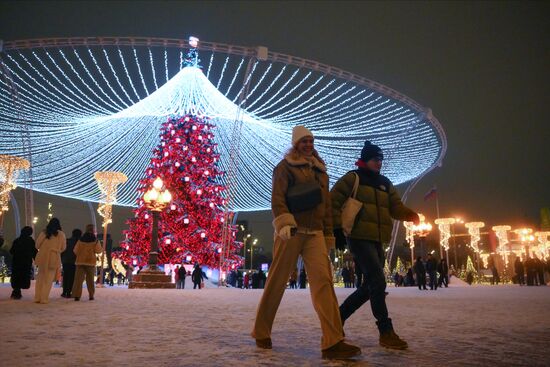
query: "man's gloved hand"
414, 218
340, 239
285, 233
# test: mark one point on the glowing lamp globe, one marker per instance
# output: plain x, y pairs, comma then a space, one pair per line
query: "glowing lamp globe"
193, 42
157, 184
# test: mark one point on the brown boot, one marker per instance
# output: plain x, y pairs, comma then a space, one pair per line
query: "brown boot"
264, 343
341, 350
391, 340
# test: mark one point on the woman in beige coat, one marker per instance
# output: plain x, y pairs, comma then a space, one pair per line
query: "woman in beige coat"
85, 250
302, 230
50, 244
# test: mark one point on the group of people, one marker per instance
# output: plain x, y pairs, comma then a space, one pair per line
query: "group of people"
432, 269
197, 276
307, 222
531, 271
50, 252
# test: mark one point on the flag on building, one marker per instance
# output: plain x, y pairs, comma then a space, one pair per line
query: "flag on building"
431, 194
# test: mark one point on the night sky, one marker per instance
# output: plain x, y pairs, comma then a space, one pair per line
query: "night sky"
481, 67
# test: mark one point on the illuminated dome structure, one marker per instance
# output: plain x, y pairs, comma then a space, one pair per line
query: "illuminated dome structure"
96, 104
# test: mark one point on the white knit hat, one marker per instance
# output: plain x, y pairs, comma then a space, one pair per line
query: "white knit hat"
298, 132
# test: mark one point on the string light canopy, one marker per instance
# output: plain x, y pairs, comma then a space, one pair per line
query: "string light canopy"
96, 104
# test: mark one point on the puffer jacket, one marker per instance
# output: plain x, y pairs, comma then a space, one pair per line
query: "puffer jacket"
291, 171
85, 250
381, 203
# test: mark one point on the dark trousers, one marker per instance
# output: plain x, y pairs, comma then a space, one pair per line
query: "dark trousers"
369, 257
196, 285
68, 278
443, 280
433, 280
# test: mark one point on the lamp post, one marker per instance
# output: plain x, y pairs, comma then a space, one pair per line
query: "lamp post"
252, 251
245, 241
9, 170
422, 229
107, 182
156, 199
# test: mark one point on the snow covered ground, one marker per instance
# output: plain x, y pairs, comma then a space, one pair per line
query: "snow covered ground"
459, 326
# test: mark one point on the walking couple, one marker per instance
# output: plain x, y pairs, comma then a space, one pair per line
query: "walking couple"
304, 212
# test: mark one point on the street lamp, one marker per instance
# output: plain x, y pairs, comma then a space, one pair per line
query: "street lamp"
245, 241
252, 251
422, 229
156, 199
107, 182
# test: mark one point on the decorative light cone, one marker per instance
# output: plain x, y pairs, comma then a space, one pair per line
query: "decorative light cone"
473, 230
9, 170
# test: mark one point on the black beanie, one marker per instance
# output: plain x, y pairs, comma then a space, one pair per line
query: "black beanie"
370, 151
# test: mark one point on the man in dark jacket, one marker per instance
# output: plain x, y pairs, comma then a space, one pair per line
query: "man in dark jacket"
443, 270
420, 272
197, 277
68, 259
372, 229
431, 268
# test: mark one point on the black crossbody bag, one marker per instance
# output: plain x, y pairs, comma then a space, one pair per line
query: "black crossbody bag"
304, 196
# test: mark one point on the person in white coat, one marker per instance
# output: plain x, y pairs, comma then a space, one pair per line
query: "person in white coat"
50, 243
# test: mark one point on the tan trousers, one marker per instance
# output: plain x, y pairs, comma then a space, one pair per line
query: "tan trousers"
83, 271
44, 282
285, 256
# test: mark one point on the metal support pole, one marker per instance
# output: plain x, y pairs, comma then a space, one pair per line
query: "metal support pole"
104, 246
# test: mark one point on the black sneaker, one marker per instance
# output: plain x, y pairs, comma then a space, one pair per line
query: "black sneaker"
341, 350
77, 298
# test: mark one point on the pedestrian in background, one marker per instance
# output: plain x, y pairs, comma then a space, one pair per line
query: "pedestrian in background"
68, 259
50, 243
23, 251
85, 249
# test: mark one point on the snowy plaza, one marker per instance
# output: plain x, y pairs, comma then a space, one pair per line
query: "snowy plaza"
148, 148
456, 326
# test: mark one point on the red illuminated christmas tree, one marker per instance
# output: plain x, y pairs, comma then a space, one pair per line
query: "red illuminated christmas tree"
190, 228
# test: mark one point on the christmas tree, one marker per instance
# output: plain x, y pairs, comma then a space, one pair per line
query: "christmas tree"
190, 228
399, 267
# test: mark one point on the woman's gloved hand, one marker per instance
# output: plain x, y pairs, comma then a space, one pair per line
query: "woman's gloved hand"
285, 233
340, 239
